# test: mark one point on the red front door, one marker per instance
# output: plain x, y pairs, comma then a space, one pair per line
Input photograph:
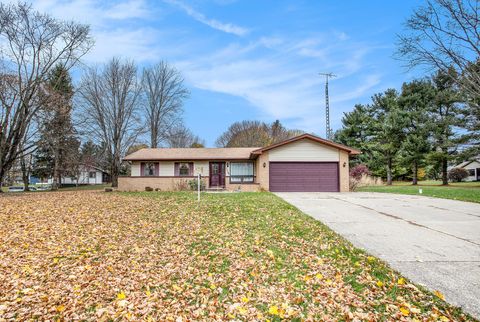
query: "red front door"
217, 174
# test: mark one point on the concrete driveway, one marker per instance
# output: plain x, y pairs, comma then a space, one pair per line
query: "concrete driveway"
433, 242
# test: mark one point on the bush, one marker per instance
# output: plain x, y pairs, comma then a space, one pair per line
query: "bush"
457, 174
148, 189
181, 185
358, 171
193, 184
360, 176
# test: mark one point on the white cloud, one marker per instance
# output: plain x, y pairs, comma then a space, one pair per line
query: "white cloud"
278, 78
93, 12
139, 44
112, 26
215, 24
277, 74
128, 10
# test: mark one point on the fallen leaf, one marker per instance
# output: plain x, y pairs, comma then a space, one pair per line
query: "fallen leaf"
121, 296
439, 295
273, 310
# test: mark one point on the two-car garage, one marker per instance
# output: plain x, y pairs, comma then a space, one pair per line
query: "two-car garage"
304, 176
305, 164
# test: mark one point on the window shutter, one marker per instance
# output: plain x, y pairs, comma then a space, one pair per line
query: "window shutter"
177, 170
142, 168
157, 169
190, 168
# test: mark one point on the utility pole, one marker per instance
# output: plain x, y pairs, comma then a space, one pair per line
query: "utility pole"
328, 131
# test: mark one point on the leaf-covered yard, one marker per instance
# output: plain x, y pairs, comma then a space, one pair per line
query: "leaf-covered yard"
163, 256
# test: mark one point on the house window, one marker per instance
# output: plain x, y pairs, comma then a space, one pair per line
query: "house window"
184, 169
92, 174
471, 172
148, 169
241, 172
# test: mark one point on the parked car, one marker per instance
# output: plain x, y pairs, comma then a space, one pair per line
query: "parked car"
16, 189
44, 187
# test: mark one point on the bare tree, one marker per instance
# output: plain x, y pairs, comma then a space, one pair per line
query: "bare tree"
164, 94
31, 44
182, 137
255, 133
109, 100
443, 34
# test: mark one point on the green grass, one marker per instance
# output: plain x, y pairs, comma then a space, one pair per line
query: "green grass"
471, 184
464, 191
287, 249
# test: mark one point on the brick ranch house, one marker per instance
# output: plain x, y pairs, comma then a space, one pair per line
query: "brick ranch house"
303, 163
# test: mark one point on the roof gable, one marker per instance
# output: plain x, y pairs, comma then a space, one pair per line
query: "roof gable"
309, 137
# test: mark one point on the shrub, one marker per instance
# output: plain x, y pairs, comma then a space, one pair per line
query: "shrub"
421, 174
358, 171
457, 174
193, 184
148, 189
360, 176
181, 185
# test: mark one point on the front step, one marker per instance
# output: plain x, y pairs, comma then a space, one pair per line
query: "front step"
215, 189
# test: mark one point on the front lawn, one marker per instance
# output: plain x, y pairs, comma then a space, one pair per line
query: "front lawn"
464, 191
163, 256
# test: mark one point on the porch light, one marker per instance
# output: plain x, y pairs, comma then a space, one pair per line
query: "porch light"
344, 164
264, 164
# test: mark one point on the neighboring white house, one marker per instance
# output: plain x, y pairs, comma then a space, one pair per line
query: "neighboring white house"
87, 175
473, 168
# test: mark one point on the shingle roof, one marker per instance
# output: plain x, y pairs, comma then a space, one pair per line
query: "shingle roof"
193, 154
465, 163
190, 154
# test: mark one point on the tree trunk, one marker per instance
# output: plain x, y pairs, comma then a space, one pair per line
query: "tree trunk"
55, 170
415, 172
114, 173
25, 173
2, 178
444, 171
389, 171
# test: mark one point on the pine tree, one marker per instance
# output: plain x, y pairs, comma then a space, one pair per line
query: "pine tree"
446, 116
57, 134
415, 101
387, 129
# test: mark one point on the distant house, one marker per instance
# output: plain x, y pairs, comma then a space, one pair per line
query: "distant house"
87, 175
303, 163
473, 168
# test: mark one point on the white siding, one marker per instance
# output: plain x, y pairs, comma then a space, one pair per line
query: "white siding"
135, 170
167, 169
472, 166
304, 150
98, 179
83, 178
201, 167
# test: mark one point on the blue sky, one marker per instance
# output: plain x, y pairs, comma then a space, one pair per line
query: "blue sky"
253, 59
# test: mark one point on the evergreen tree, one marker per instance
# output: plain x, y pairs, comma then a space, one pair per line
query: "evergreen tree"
356, 133
58, 143
42, 163
387, 129
377, 130
415, 101
446, 117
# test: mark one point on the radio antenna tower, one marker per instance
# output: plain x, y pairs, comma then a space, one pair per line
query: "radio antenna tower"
328, 131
